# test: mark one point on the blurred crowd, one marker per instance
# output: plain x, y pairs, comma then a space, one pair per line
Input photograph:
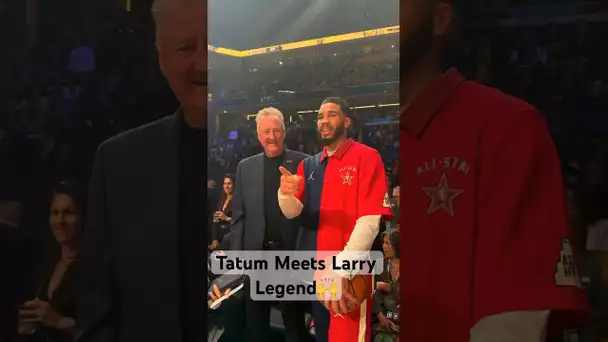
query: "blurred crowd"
352, 66
66, 96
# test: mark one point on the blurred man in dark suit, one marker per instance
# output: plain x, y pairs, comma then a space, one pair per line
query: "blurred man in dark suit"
16, 264
144, 255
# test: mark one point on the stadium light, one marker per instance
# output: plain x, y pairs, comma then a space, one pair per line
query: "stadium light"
382, 31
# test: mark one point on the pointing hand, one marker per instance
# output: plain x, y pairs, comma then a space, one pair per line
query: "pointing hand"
290, 184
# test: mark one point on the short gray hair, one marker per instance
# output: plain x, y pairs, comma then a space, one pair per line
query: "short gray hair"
160, 6
157, 7
270, 112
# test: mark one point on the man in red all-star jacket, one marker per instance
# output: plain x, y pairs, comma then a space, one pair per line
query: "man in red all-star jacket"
486, 251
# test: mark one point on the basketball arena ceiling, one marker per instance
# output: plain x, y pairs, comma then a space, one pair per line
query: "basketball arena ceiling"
249, 24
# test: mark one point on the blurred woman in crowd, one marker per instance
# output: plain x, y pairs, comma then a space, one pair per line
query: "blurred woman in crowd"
386, 298
50, 315
223, 216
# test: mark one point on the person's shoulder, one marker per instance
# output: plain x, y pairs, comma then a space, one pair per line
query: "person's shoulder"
299, 156
249, 160
313, 158
500, 116
365, 151
496, 106
132, 138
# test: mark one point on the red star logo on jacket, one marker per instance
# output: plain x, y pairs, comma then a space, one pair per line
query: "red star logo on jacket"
442, 196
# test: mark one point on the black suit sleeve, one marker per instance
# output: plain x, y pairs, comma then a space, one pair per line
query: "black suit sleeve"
98, 311
12, 281
212, 209
234, 239
214, 232
212, 200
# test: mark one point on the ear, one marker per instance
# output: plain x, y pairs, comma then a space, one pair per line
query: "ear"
347, 122
443, 18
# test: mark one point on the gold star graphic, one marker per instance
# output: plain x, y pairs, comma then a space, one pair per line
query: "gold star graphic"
347, 178
442, 196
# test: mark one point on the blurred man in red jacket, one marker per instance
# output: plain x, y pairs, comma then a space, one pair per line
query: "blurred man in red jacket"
486, 251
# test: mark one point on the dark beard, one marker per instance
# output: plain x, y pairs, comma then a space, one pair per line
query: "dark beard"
338, 133
415, 47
